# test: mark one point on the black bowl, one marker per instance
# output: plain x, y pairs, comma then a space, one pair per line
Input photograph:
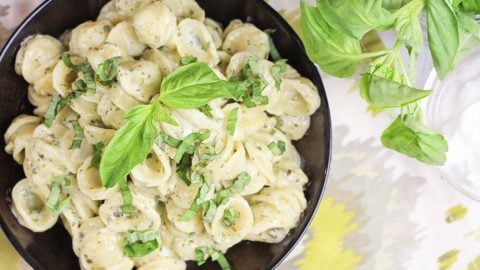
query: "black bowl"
52, 249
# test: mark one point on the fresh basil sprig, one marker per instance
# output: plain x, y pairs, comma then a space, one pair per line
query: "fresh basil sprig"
189, 87
332, 33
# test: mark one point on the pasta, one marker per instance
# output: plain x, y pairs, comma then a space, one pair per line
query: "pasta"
217, 173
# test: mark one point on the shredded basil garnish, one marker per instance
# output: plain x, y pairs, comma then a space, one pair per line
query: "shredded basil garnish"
97, 154
78, 138
139, 244
229, 216
107, 71
277, 70
188, 60
86, 70
239, 184
203, 253
274, 54
232, 121
277, 148
196, 206
126, 195
53, 201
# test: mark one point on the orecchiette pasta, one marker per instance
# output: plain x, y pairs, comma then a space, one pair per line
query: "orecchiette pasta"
227, 171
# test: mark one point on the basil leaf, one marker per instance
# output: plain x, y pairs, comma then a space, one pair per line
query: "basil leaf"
232, 121
336, 53
386, 93
394, 5
188, 60
203, 253
130, 145
415, 140
78, 138
408, 26
192, 86
277, 70
471, 6
126, 196
277, 148
97, 154
229, 216
162, 115
239, 184
107, 71
443, 35
355, 18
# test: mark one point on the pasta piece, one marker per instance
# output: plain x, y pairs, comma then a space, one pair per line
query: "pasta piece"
88, 35
155, 24
105, 51
249, 120
111, 115
185, 245
185, 9
142, 217
63, 77
127, 8
294, 127
184, 195
234, 24
84, 229
30, 208
102, 249
154, 171
43, 163
275, 211
35, 55
166, 62
160, 259
43, 84
109, 13
288, 173
17, 135
215, 30
261, 156
257, 180
174, 213
224, 61
123, 35
195, 40
231, 162
298, 97
247, 38
40, 102
86, 110
90, 184
122, 99
95, 134
140, 79
228, 236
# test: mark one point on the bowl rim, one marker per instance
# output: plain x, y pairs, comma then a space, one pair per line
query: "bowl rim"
328, 136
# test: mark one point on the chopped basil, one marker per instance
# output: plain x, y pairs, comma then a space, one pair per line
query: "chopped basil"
277, 148
229, 216
86, 70
139, 244
189, 60
57, 103
107, 71
196, 206
274, 54
277, 70
78, 138
210, 208
203, 253
186, 144
126, 196
53, 201
232, 121
97, 154
239, 184
250, 84
207, 110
